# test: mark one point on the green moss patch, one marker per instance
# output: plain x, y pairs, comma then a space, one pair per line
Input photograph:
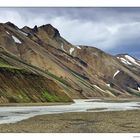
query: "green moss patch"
4, 64
54, 98
19, 97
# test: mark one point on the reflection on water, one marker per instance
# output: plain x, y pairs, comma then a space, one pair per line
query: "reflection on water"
15, 114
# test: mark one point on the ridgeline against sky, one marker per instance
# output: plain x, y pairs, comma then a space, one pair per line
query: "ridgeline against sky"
114, 30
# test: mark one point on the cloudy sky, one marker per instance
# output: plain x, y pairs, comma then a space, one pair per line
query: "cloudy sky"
114, 30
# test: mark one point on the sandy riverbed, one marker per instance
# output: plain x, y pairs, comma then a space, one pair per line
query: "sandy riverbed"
82, 122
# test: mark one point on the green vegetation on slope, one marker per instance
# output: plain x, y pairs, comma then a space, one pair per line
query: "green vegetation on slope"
53, 98
4, 64
60, 79
21, 85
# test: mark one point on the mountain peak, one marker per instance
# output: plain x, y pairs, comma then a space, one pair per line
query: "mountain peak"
35, 29
125, 55
51, 31
11, 24
26, 29
122, 54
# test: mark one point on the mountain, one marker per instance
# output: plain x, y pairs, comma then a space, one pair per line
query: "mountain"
40, 64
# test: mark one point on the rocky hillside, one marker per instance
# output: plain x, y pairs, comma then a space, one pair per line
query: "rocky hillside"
20, 82
45, 61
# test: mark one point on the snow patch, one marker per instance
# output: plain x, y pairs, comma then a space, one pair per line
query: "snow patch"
62, 47
16, 39
98, 88
7, 32
108, 85
115, 73
23, 33
138, 88
78, 47
125, 61
71, 50
132, 60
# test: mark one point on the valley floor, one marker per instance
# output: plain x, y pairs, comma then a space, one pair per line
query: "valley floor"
82, 122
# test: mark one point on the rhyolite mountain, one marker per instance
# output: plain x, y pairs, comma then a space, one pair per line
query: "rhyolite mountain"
38, 65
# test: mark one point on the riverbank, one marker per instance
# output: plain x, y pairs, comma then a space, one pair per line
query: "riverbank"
35, 104
81, 122
109, 100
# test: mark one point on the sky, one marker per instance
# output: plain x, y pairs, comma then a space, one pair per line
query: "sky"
113, 30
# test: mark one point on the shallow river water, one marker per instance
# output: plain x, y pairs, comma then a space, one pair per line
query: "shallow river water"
14, 114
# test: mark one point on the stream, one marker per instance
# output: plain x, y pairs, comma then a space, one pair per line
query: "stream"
14, 114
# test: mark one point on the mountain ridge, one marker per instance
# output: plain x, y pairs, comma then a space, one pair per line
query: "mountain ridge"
81, 71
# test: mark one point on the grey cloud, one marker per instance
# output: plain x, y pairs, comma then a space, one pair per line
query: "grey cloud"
115, 30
